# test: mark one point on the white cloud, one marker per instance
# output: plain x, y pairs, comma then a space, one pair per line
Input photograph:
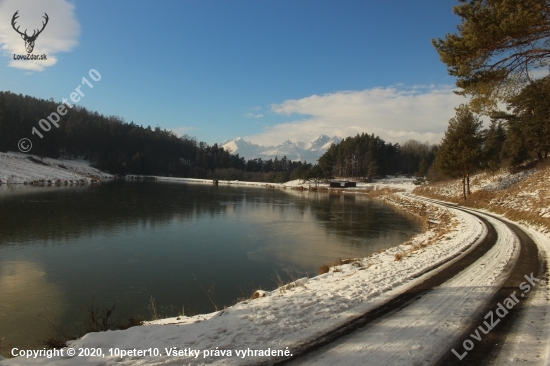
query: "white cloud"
539, 73
252, 115
396, 114
60, 34
180, 131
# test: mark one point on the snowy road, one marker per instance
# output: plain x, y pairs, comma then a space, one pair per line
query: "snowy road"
425, 329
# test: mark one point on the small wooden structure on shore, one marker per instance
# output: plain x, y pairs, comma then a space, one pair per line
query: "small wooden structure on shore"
342, 184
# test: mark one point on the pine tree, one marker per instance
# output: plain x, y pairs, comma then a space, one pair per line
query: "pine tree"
492, 146
531, 110
515, 151
499, 43
460, 149
372, 169
422, 169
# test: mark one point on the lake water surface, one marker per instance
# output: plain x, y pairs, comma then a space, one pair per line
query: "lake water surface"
185, 245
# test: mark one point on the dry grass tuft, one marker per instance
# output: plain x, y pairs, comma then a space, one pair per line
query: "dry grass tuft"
397, 256
153, 308
280, 283
323, 269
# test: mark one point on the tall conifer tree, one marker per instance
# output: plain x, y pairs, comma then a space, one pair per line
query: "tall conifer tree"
460, 149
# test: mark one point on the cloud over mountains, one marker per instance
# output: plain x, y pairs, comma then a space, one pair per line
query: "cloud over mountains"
395, 113
304, 151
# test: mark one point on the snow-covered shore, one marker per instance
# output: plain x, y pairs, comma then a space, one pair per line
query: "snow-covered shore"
289, 316
18, 168
399, 182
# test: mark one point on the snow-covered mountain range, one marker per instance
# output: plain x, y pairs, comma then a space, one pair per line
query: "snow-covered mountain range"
304, 151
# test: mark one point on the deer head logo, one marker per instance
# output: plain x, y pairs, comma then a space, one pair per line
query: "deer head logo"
29, 40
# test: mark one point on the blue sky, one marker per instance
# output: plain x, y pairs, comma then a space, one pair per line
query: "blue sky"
264, 70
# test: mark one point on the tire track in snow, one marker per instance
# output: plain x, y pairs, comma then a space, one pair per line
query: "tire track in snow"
492, 343
411, 296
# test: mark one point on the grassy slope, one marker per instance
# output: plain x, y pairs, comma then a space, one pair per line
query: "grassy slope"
523, 197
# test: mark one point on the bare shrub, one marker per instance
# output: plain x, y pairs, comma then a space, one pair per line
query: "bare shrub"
5, 348
95, 320
55, 342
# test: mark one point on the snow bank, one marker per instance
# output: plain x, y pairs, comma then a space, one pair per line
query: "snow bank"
498, 181
23, 168
506, 181
522, 197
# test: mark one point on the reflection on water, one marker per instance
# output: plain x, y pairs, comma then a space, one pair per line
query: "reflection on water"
63, 247
26, 293
327, 227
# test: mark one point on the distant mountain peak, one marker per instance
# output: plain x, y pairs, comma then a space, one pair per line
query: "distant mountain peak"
309, 151
320, 137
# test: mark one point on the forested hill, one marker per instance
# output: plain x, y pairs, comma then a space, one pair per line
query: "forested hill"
369, 156
114, 145
118, 147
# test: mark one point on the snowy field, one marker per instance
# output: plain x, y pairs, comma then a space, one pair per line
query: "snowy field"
524, 197
18, 168
497, 181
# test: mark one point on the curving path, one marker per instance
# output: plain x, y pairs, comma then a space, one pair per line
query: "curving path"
424, 325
